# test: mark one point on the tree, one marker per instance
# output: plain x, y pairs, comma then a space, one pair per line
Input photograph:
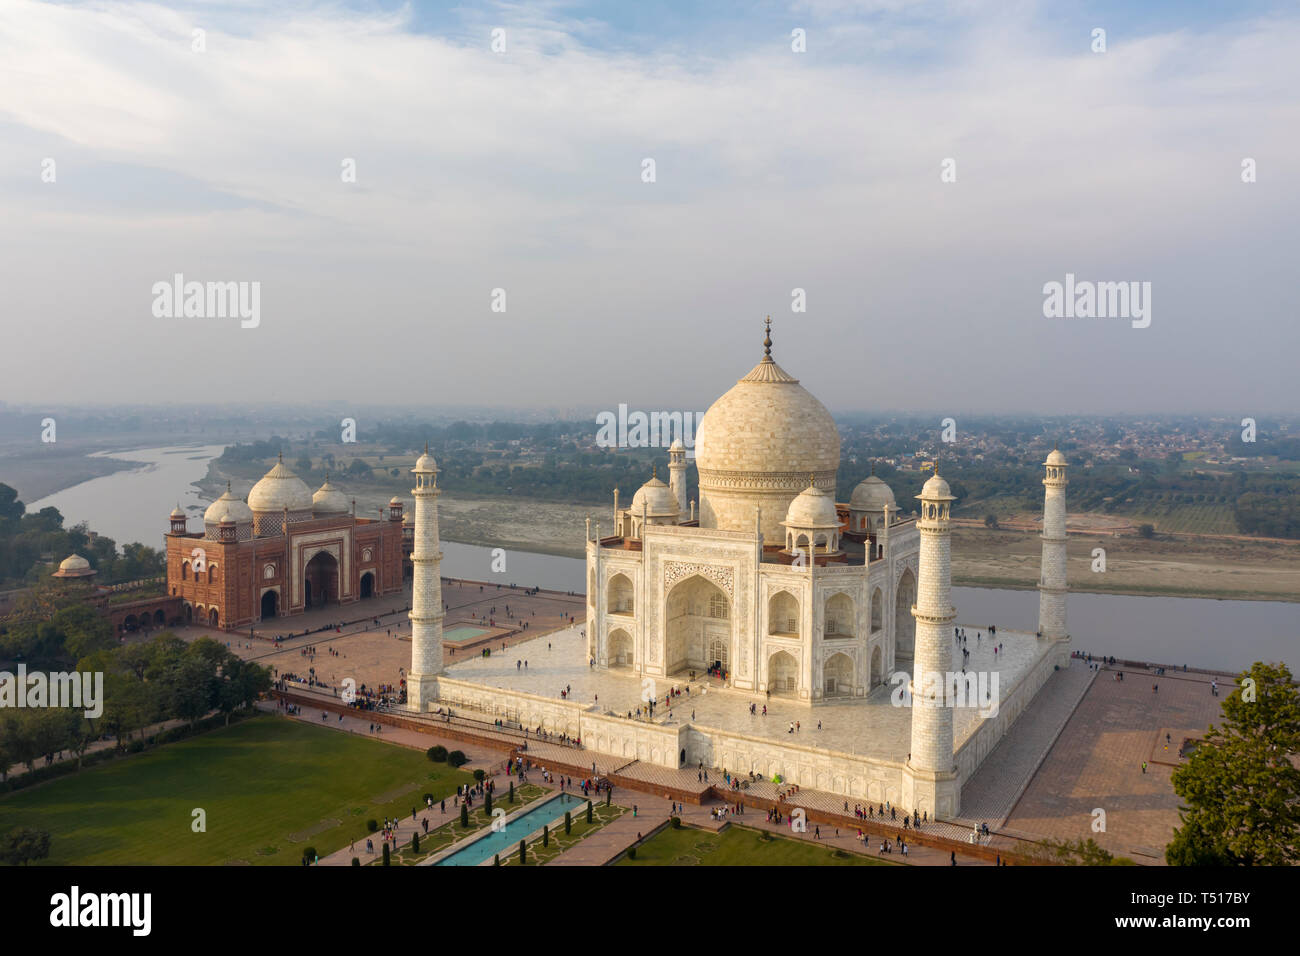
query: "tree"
991, 521
1240, 785
1083, 853
1146, 531
24, 844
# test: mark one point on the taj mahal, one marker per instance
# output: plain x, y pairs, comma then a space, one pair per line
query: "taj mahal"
800, 610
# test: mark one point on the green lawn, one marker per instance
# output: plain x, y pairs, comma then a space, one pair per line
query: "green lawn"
270, 787
738, 846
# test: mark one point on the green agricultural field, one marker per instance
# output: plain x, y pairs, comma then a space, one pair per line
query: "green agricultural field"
270, 786
738, 846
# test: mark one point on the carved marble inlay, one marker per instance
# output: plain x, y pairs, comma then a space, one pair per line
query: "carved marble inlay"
675, 571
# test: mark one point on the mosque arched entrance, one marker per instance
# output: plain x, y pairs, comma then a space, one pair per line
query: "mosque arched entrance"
697, 626
321, 580
270, 605
904, 623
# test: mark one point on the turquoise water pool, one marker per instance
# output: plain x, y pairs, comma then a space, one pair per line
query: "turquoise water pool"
463, 632
507, 839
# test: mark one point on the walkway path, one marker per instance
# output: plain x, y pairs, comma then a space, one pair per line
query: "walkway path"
992, 792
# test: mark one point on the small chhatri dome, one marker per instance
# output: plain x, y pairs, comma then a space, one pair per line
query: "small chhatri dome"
394, 500
227, 504
677, 445
328, 500
176, 512
657, 497
408, 519
872, 494
74, 566
425, 462
280, 488
1055, 458
813, 509
936, 487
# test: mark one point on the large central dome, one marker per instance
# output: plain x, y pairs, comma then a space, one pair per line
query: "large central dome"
757, 446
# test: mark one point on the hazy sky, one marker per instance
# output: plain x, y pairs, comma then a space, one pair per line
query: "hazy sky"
522, 170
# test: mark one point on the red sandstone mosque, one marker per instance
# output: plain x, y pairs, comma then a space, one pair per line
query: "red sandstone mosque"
281, 552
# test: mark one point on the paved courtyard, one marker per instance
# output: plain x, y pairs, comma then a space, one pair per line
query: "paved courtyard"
870, 727
1097, 763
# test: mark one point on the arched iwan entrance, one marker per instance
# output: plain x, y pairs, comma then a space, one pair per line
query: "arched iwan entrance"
837, 675
620, 649
904, 623
321, 580
697, 630
782, 674
270, 605
368, 584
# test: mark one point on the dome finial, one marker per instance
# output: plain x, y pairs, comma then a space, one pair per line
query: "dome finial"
280, 456
812, 480
767, 340
227, 486
654, 472
426, 446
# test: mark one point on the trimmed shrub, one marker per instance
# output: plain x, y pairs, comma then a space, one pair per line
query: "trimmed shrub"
387, 860
631, 853
512, 791
588, 811
437, 754
457, 758
568, 822
309, 854
546, 836
355, 861
464, 816
372, 825
523, 854
676, 822
415, 842
480, 774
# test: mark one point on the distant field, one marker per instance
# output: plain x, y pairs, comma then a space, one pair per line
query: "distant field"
1190, 518
270, 786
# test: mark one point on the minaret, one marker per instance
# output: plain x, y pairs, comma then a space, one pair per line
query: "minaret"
426, 589
677, 474
1052, 585
930, 782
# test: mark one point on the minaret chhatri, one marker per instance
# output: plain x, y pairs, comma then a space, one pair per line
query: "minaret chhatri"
930, 782
677, 475
1052, 586
426, 589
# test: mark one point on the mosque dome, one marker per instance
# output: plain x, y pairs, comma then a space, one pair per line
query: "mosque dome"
757, 444
328, 500
74, 566
278, 489
227, 504
657, 499
812, 509
872, 494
